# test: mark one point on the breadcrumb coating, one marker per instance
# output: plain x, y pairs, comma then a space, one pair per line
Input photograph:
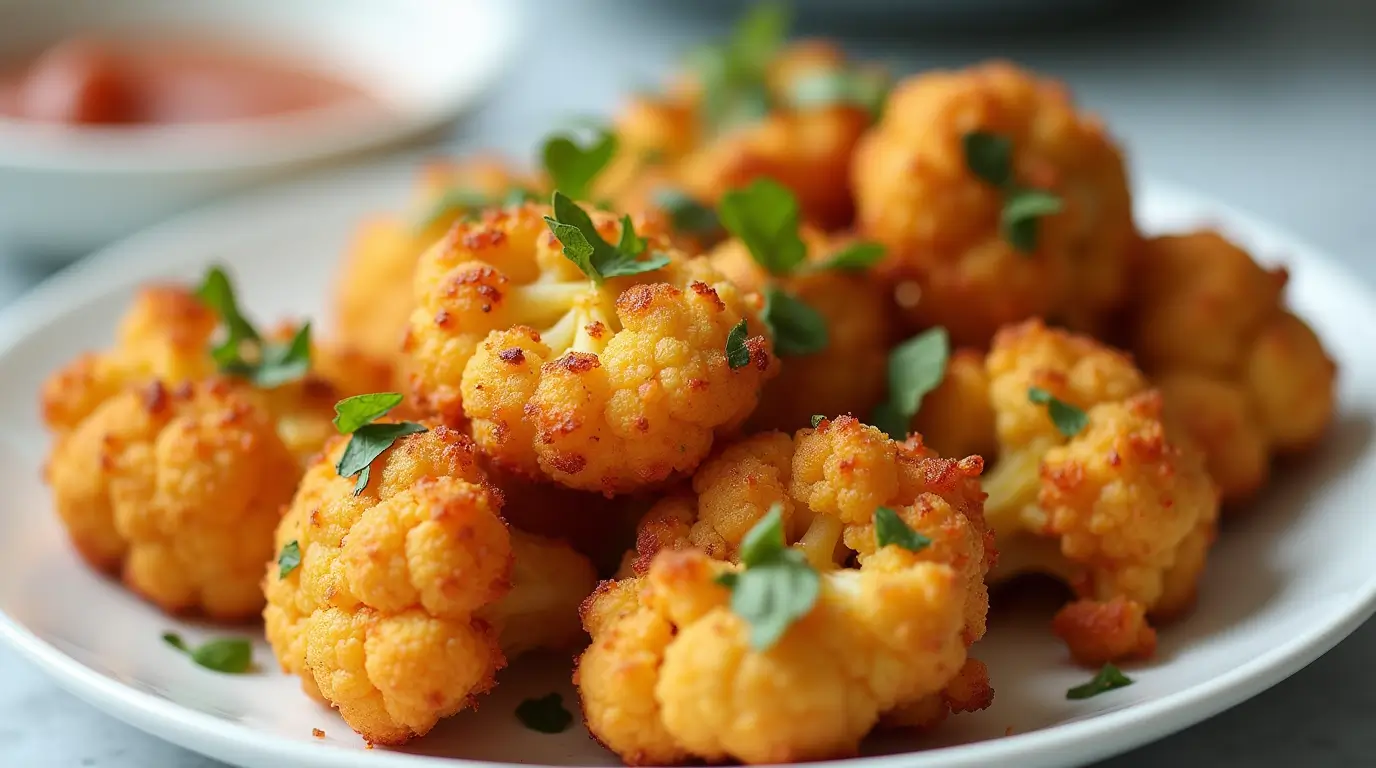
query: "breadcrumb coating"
608, 388
411, 595
373, 291
1246, 378
948, 260
670, 675
1121, 510
850, 374
177, 489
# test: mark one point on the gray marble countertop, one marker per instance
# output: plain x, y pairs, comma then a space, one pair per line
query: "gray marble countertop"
1267, 104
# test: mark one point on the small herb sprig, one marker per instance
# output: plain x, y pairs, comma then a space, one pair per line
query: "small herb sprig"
916, 367
572, 166
765, 216
777, 586
243, 352
990, 157
229, 655
1108, 679
546, 714
1069, 420
597, 258
355, 416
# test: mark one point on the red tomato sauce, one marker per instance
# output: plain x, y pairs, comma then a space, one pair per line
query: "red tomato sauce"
108, 83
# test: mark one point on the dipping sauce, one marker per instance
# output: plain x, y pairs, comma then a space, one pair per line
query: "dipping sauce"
88, 81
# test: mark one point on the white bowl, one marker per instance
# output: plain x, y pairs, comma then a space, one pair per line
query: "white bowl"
65, 192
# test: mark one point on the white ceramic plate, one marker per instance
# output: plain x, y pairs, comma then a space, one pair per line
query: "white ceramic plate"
1286, 582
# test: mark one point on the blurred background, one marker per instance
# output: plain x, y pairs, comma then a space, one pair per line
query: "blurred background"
1265, 104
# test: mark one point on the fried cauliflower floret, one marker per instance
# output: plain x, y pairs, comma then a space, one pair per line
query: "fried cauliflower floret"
849, 375
410, 596
1245, 377
956, 418
1121, 510
948, 259
166, 336
666, 141
178, 490
671, 675
373, 297
606, 388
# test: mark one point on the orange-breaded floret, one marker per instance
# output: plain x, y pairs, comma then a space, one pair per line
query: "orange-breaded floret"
949, 257
1245, 378
607, 387
373, 290
411, 595
1119, 509
670, 675
1099, 632
849, 375
178, 490
671, 141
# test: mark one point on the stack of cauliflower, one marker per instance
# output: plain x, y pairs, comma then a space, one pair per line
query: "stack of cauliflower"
734, 398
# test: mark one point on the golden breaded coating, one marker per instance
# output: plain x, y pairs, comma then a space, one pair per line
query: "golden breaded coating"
1120, 509
1100, 632
948, 259
611, 387
956, 418
670, 675
373, 290
849, 375
410, 596
806, 147
166, 335
178, 490
163, 336
1243, 376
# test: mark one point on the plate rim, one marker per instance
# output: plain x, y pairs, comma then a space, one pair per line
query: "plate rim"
1092, 738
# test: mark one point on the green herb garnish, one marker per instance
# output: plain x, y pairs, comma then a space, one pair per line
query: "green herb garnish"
732, 72
1067, 418
354, 416
777, 586
856, 257
889, 528
598, 258
916, 367
688, 215
545, 714
1109, 678
289, 559
230, 655
817, 420
737, 353
241, 351
797, 328
867, 90
990, 157
765, 217
572, 167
